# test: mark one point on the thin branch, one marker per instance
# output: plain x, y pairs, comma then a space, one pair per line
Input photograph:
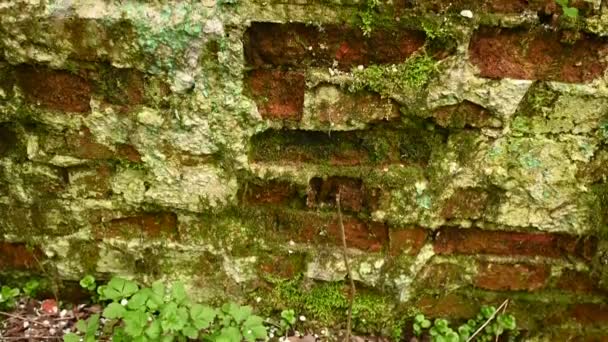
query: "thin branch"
503, 311
504, 304
15, 316
27, 338
353, 290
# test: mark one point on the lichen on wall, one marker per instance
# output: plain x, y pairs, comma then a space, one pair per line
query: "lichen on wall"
207, 141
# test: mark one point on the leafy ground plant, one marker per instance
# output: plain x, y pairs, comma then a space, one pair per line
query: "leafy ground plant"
161, 313
9, 295
571, 12
488, 325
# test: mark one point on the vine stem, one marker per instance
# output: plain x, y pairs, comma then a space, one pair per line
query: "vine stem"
503, 305
353, 290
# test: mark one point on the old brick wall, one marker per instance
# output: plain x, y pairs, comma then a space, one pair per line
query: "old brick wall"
207, 141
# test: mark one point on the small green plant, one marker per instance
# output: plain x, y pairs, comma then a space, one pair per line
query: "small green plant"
88, 329
288, 319
31, 288
8, 296
163, 313
571, 12
367, 16
88, 282
486, 326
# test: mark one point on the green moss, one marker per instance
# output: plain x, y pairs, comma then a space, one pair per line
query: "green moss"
538, 99
327, 302
599, 204
414, 74
87, 254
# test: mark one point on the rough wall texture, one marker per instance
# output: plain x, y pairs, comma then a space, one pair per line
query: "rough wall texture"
206, 141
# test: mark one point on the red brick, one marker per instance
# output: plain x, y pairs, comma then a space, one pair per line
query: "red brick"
151, 225
16, 256
318, 229
476, 241
406, 241
511, 277
299, 45
537, 55
272, 192
58, 90
278, 94
575, 281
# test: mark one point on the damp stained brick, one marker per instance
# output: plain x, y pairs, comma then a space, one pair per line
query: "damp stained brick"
539, 54
299, 45
354, 195
511, 277
150, 225
382, 143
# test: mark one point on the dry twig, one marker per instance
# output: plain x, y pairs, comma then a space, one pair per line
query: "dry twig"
503, 305
348, 272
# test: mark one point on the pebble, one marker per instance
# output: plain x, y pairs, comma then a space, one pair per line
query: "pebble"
466, 13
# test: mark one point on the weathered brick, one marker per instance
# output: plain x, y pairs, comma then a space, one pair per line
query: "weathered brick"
283, 266
466, 203
476, 241
441, 275
271, 192
354, 196
278, 94
93, 182
406, 241
329, 107
151, 225
17, 256
53, 89
463, 115
299, 45
511, 277
500, 53
83, 145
